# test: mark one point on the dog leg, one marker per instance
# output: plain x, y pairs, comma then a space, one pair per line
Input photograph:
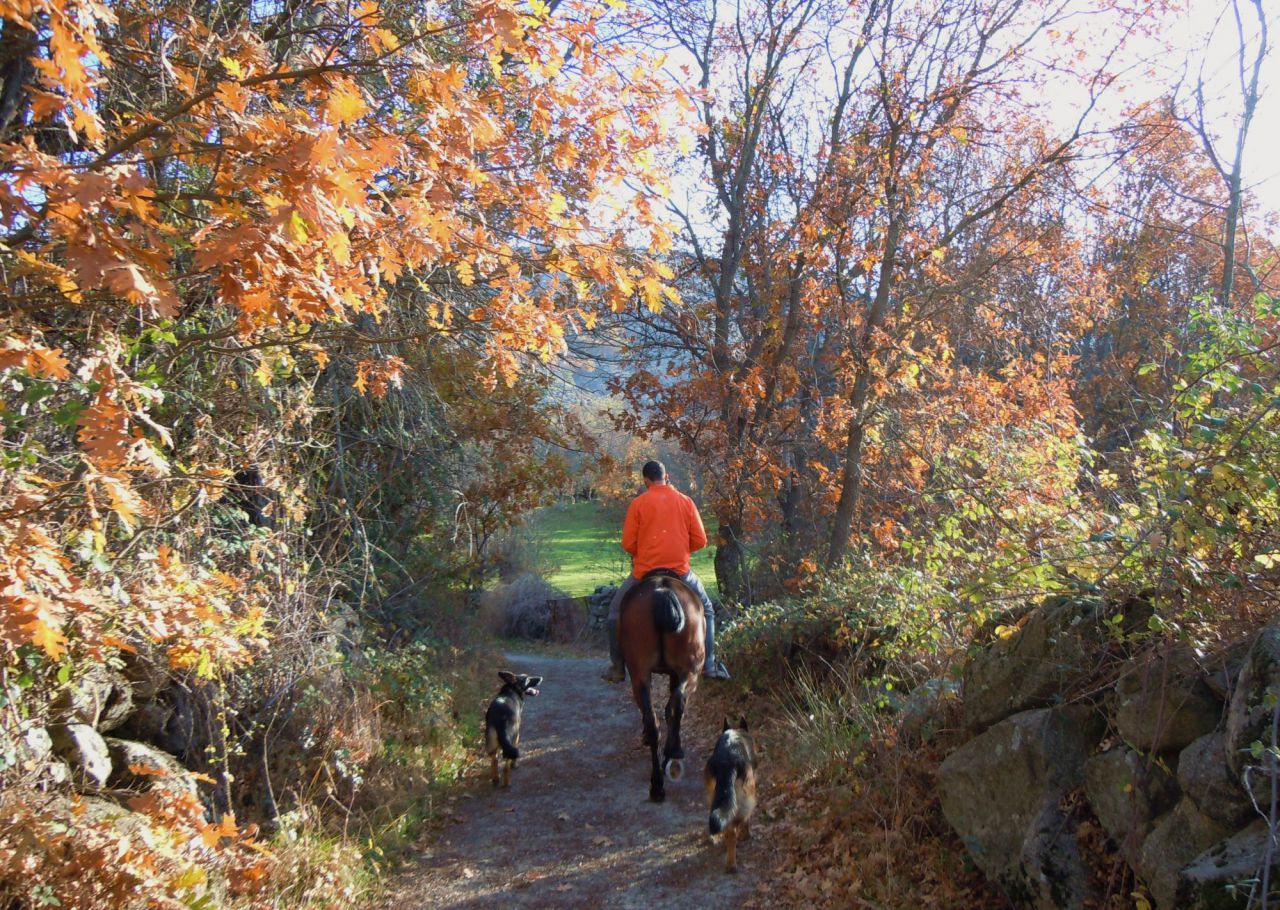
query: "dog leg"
494, 774
506, 773
730, 848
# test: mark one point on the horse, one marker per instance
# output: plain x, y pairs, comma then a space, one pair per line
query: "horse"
662, 629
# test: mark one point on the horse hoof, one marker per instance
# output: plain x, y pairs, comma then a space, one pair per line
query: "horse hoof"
675, 768
656, 796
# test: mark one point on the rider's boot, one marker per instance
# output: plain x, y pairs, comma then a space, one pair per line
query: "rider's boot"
713, 669
616, 672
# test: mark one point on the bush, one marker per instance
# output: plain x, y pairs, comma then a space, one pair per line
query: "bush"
522, 608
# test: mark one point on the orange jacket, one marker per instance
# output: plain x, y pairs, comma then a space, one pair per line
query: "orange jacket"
662, 529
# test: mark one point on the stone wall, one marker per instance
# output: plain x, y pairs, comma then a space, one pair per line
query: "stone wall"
113, 733
1162, 743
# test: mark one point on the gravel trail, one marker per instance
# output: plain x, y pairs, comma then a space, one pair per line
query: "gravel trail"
576, 829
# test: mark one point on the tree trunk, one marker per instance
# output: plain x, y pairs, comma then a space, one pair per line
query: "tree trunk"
730, 563
851, 476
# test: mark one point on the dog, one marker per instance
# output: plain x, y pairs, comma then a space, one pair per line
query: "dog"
502, 721
730, 780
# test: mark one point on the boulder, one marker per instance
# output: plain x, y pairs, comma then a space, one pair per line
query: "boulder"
1223, 667
1249, 717
1205, 778
177, 722
101, 698
34, 748
1127, 793
1221, 877
57, 773
147, 673
1050, 871
148, 722
1176, 840
136, 766
925, 709
1163, 704
85, 752
1037, 666
1001, 792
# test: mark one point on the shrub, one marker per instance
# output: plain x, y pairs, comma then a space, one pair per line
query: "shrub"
521, 608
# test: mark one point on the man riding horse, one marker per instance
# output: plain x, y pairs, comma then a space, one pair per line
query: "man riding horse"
662, 530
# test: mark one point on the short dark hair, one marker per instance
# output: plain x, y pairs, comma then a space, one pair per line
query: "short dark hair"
654, 470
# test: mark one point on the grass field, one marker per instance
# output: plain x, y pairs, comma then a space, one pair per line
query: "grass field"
581, 542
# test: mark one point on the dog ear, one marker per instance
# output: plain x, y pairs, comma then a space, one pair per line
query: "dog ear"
532, 681
507, 677
726, 726
742, 723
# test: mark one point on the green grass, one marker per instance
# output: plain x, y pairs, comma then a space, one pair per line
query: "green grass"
581, 541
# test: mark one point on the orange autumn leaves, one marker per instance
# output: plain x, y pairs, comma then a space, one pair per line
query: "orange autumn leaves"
450, 158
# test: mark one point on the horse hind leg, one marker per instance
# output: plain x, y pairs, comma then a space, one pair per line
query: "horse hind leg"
648, 717
644, 699
673, 752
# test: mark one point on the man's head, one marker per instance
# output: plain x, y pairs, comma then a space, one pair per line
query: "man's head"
654, 472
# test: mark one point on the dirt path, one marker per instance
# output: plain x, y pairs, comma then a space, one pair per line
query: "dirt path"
576, 828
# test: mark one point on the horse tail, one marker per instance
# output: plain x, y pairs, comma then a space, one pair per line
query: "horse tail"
724, 804
668, 612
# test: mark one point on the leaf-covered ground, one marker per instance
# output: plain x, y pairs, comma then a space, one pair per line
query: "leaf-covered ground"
576, 828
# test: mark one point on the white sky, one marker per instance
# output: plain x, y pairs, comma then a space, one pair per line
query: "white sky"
1200, 39
1207, 32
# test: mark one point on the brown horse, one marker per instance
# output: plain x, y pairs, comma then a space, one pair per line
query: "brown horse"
661, 628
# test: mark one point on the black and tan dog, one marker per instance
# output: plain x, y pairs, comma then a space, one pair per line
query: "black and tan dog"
730, 779
502, 721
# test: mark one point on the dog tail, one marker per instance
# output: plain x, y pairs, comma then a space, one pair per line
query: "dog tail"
724, 804
509, 752
668, 612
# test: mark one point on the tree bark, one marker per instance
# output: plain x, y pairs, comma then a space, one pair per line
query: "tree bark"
729, 563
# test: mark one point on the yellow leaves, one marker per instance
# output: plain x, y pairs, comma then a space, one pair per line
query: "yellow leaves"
466, 274
48, 638
557, 205
346, 103
297, 226
233, 68
652, 289
383, 41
